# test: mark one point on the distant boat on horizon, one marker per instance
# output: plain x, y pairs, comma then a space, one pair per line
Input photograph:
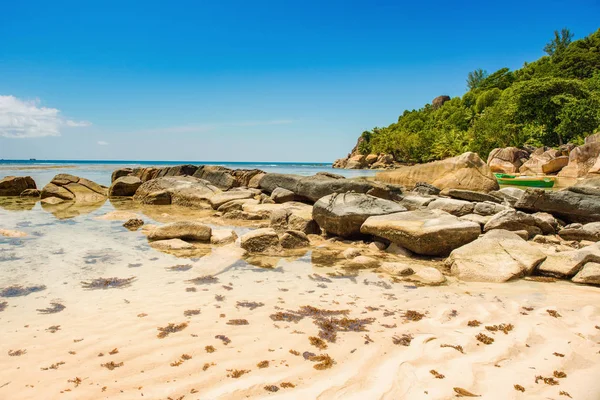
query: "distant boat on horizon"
32, 159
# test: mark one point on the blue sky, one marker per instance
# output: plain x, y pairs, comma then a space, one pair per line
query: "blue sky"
245, 80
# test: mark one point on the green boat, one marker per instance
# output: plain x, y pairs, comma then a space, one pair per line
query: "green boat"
530, 181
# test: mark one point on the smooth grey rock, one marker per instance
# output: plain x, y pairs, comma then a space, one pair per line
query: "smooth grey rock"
427, 232
497, 256
343, 214
452, 206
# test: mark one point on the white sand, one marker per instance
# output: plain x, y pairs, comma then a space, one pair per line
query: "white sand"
61, 255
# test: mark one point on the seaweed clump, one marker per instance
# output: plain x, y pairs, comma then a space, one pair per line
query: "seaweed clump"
330, 326
189, 313
18, 290
485, 339
249, 304
179, 268
236, 373
455, 347
323, 360
210, 349
53, 366
56, 307
317, 342
286, 316
16, 353
286, 385
548, 381
403, 340
171, 328
271, 388
412, 315
559, 374
553, 313
107, 283
204, 280
111, 365
436, 374
263, 364
502, 327
473, 323
224, 339
238, 322
3, 305
519, 388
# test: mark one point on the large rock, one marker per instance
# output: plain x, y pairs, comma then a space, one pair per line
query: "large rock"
180, 190
356, 162
263, 240
124, 186
217, 200
343, 214
569, 205
589, 274
512, 220
439, 101
498, 256
225, 178
589, 232
452, 206
281, 195
312, 188
544, 162
294, 218
15, 185
568, 263
184, 230
294, 240
117, 173
470, 195
70, 187
507, 160
427, 232
467, 172
582, 159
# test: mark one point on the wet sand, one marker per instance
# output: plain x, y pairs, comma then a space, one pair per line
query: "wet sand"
392, 337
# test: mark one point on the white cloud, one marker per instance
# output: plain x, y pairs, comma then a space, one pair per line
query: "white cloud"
26, 119
102, 143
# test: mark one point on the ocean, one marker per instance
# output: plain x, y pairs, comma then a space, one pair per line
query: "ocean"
99, 171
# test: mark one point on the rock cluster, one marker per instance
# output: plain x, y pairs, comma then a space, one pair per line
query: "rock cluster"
65, 187
17, 185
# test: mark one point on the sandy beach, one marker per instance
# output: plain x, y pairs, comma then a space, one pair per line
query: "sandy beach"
236, 330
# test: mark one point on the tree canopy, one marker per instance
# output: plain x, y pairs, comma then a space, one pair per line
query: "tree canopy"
548, 102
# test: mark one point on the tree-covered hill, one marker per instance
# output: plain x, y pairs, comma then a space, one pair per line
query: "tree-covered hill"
548, 102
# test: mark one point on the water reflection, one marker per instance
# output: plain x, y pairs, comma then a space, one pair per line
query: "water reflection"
71, 209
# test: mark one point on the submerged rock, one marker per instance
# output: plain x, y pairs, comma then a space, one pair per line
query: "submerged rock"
171, 244
185, 230
498, 256
294, 240
133, 224
426, 232
264, 240
70, 187
31, 193
343, 214
223, 236
15, 185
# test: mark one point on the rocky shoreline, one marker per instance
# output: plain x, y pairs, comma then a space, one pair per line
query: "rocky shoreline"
472, 228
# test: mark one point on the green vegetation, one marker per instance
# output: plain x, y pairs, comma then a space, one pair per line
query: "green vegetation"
549, 102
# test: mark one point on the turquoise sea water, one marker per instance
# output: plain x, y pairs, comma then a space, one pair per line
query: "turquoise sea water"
42, 171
